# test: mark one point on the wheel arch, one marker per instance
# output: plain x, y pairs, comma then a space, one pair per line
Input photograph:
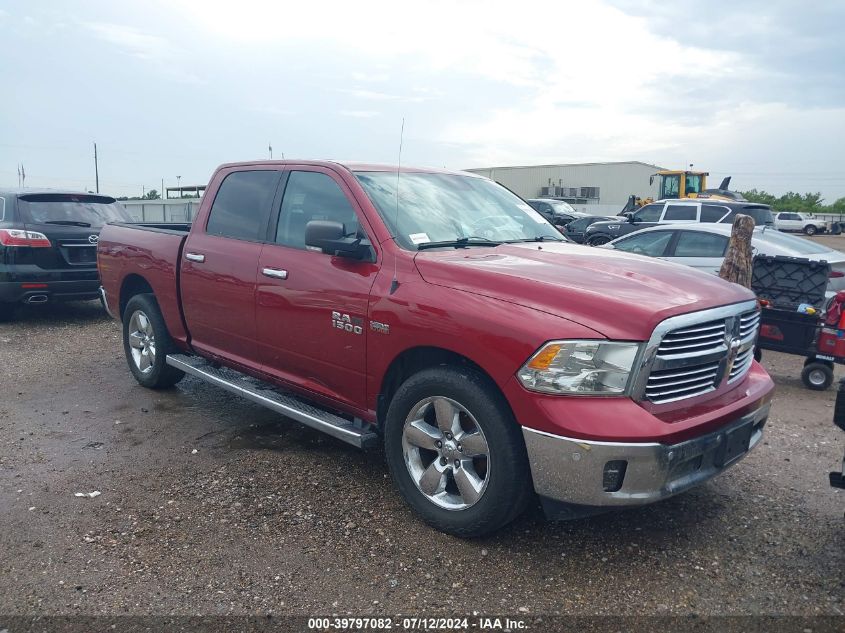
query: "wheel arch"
415, 359
133, 284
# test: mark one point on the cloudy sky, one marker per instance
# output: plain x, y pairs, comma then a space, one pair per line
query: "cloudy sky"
754, 88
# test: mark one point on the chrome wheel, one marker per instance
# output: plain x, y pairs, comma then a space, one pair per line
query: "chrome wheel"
142, 341
446, 453
817, 377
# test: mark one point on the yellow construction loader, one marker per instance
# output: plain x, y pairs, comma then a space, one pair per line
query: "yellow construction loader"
682, 184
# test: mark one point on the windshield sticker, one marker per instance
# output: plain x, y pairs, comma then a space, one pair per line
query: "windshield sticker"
419, 238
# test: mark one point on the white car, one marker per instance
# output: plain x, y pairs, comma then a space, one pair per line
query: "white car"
802, 222
703, 246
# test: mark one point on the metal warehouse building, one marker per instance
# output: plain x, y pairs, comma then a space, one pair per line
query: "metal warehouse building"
597, 188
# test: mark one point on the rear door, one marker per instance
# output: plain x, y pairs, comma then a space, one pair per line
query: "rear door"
220, 263
311, 308
699, 249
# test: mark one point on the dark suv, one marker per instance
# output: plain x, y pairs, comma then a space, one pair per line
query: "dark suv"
686, 211
48, 245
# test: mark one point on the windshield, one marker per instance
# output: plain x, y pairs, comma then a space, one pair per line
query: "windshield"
447, 207
791, 242
561, 207
73, 208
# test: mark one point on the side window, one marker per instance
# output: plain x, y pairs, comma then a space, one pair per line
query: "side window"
242, 205
675, 212
698, 244
311, 195
713, 213
649, 213
2, 209
653, 243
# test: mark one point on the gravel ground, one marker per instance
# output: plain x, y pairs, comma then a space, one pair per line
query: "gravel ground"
211, 505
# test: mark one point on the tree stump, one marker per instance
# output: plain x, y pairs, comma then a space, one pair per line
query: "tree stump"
737, 264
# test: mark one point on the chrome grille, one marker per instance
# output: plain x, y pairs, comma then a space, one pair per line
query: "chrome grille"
693, 358
671, 384
693, 340
741, 365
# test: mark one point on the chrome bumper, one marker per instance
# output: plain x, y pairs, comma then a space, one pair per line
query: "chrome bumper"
106, 303
573, 471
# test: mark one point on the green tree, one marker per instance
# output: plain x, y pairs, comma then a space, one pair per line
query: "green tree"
152, 194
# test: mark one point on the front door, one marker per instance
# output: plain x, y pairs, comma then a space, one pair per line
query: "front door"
311, 308
220, 262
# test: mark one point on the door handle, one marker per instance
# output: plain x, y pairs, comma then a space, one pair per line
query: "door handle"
195, 257
275, 273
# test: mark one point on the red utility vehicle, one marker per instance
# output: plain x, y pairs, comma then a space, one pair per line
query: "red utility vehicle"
438, 313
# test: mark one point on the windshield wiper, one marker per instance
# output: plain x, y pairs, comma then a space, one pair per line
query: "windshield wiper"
461, 242
68, 222
539, 238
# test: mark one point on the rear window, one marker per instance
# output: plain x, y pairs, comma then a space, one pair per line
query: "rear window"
797, 244
63, 208
762, 215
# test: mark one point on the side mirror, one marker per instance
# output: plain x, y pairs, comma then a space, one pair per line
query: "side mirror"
330, 237
632, 219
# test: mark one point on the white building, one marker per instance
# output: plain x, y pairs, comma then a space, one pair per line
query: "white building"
598, 188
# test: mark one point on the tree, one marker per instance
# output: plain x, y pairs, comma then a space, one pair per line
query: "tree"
796, 202
152, 194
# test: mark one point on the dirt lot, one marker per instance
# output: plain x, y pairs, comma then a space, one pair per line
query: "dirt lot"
211, 505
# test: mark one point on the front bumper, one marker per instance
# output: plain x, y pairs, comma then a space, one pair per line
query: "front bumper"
573, 471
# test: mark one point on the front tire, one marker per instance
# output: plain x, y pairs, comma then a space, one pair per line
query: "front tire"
146, 343
455, 452
810, 230
598, 240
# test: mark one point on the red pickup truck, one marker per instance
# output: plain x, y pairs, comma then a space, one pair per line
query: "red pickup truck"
437, 313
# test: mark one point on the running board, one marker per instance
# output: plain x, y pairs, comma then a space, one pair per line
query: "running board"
356, 433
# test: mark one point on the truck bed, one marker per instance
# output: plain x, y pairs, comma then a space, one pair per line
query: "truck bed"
154, 248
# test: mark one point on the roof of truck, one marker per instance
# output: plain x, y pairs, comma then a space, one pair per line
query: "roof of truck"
351, 166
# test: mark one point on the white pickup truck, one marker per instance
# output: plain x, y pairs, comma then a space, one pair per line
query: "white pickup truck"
804, 222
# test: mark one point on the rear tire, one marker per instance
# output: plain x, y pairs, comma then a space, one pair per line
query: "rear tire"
810, 229
817, 376
146, 343
598, 240
455, 452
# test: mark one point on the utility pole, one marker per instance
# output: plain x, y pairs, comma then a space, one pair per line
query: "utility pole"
96, 170
179, 184
270, 147
162, 189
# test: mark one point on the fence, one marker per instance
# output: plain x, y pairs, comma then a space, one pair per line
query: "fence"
162, 210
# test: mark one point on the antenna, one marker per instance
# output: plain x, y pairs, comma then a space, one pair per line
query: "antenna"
394, 284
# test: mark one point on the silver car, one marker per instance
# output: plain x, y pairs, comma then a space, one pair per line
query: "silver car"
703, 246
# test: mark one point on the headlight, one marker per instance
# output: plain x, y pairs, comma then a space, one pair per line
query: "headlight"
580, 368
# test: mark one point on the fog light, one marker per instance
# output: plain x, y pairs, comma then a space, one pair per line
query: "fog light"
614, 475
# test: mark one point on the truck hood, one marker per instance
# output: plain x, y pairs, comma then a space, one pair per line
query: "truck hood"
619, 295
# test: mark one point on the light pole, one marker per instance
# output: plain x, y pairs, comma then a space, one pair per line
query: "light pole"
179, 184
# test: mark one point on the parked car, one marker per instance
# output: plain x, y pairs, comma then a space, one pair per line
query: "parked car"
48, 245
799, 222
576, 229
677, 212
558, 212
459, 330
703, 246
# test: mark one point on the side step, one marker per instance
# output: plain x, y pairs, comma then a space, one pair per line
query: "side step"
272, 398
